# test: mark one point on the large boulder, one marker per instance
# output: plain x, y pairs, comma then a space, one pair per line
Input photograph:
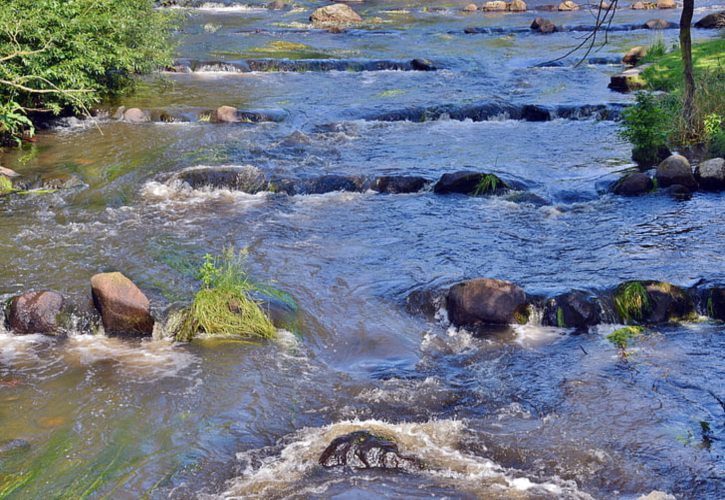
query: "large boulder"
666, 4
715, 303
576, 309
518, 6
396, 184
658, 24
675, 170
338, 13
715, 20
471, 7
466, 182
495, 6
225, 114
365, 450
568, 5
634, 55
36, 312
634, 184
135, 115
486, 301
124, 308
711, 174
543, 25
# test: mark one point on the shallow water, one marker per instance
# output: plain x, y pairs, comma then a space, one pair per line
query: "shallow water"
532, 412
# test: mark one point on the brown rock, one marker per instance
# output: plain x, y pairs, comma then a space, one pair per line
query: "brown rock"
338, 13
471, 7
634, 55
35, 312
484, 300
568, 5
123, 307
543, 25
518, 6
135, 115
495, 6
675, 170
226, 114
712, 21
666, 4
634, 184
657, 24
644, 5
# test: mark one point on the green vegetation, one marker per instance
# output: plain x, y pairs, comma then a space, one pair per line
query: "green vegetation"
224, 305
623, 336
560, 321
64, 56
656, 121
631, 301
6, 185
488, 184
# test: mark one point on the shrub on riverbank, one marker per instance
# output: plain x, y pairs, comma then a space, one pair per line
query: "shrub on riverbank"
66, 56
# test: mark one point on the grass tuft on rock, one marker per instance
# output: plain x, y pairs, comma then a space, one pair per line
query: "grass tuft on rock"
6, 185
224, 306
631, 301
622, 336
488, 184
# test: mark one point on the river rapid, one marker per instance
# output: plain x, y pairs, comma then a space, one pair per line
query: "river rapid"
532, 412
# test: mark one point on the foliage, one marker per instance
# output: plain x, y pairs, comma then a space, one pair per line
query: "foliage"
57, 55
488, 184
622, 336
224, 304
631, 301
6, 185
645, 125
655, 51
666, 72
13, 122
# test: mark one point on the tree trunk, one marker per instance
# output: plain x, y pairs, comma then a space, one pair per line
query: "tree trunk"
689, 114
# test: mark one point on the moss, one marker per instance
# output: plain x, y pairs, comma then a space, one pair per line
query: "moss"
6, 185
488, 184
561, 323
632, 301
521, 315
710, 307
622, 336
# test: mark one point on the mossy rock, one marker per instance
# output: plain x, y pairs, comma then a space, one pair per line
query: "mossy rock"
651, 302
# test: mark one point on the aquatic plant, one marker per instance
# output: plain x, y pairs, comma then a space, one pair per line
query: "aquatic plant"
488, 184
224, 305
622, 336
631, 301
6, 185
560, 321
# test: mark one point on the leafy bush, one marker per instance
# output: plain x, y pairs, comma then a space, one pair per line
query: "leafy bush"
646, 126
57, 55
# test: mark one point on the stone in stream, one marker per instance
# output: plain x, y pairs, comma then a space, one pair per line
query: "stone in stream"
634, 184
467, 182
277, 5
422, 65
715, 303
675, 170
517, 6
12, 446
628, 80
486, 301
644, 5
9, 173
332, 183
365, 450
568, 5
710, 174
244, 178
36, 312
426, 302
575, 309
124, 308
396, 184
494, 6
338, 13
658, 24
225, 114
651, 302
634, 55
471, 7
543, 25
666, 4
135, 115
679, 192
712, 21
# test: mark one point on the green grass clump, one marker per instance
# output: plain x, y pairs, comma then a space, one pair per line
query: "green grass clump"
6, 185
224, 305
666, 72
622, 336
488, 184
631, 301
560, 321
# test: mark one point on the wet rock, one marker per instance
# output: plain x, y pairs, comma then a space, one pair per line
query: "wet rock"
543, 25
277, 5
658, 24
281, 310
633, 185
535, 113
657, 495
396, 184
679, 192
634, 55
710, 174
666, 4
576, 309
13, 446
471, 7
712, 21
9, 173
124, 308
36, 312
244, 178
547, 8
525, 197
338, 13
465, 182
675, 170
425, 302
485, 301
495, 6
332, 183
715, 303
652, 302
517, 6
628, 80
644, 5
135, 115
365, 450
225, 114
568, 5
422, 65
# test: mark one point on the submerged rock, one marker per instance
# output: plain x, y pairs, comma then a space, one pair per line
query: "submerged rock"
576, 309
675, 170
124, 308
13, 446
395, 184
470, 183
425, 302
338, 13
422, 65
658, 24
710, 174
679, 192
486, 301
543, 25
36, 312
244, 178
712, 21
634, 184
715, 303
365, 450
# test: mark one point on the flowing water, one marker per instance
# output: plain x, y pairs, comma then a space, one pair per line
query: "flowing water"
534, 412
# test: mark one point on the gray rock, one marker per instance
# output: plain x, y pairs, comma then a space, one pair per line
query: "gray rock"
395, 184
633, 185
576, 309
486, 301
675, 170
465, 182
711, 174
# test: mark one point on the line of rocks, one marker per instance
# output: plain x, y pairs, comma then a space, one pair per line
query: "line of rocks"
480, 303
299, 65
222, 114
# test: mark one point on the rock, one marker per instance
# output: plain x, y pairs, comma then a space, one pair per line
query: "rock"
679, 192
657, 495
712, 21
660, 302
225, 114
675, 170
10, 447
277, 5
644, 5
471, 7
576, 309
422, 65
395, 184
123, 307
282, 311
365, 450
658, 24
633, 185
568, 5
634, 55
464, 182
135, 115
36, 312
627, 81
543, 25
244, 178
332, 183
517, 6
485, 301
426, 302
710, 174
715, 303
535, 113
547, 8
8, 172
338, 13
666, 4
495, 6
